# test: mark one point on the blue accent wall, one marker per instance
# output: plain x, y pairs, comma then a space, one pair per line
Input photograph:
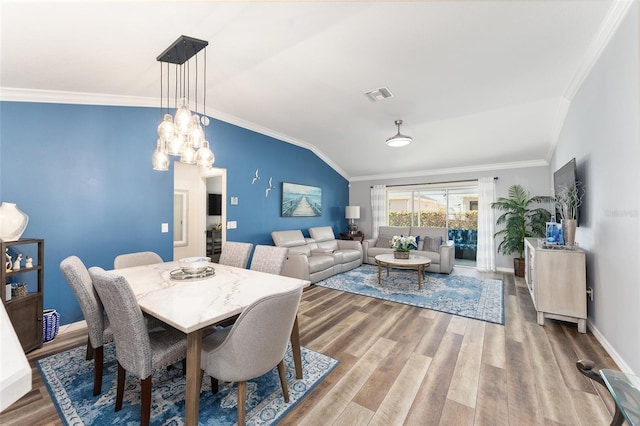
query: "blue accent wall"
83, 175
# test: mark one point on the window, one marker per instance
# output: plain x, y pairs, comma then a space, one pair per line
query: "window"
451, 206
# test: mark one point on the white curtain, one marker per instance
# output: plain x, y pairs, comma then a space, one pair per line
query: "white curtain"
486, 255
378, 208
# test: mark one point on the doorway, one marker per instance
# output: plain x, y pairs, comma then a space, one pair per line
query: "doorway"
196, 182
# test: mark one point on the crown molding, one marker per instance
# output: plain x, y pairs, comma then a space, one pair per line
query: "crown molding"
454, 170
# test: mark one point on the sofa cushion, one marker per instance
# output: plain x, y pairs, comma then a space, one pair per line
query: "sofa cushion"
431, 243
349, 255
385, 233
320, 263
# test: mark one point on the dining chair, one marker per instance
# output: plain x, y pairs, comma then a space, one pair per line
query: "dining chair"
235, 254
98, 328
269, 259
136, 259
255, 344
138, 351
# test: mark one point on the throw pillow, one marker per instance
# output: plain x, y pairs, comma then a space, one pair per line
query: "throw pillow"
431, 243
383, 241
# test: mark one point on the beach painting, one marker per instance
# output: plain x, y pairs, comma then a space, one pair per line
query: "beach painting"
301, 200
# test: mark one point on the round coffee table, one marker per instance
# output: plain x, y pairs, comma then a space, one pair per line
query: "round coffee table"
419, 263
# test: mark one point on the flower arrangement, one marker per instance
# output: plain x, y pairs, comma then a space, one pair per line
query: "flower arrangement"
402, 243
568, 199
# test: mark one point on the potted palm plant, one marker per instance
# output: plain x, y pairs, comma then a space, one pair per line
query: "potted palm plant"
520, 220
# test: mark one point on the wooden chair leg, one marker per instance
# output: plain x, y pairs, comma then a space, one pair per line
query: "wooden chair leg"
120, 387
295, 348
98, 362
242, 400
214, 385
283, 381
145, 401
89, 349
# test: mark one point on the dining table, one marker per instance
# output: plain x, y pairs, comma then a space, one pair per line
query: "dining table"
192, 303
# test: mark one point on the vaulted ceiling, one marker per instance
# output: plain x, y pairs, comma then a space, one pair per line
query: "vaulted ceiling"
478, 83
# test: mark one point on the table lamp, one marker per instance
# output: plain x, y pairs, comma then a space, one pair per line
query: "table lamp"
351, 213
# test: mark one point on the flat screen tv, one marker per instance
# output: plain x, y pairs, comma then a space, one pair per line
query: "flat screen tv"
565, 176
215, 204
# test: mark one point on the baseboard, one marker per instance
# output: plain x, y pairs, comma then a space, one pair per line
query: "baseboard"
610, 350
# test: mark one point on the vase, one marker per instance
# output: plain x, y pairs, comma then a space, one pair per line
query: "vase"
569, 226
400, 254
50, 325
13, 222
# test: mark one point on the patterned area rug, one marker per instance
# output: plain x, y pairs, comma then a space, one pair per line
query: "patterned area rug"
69, 378
454, 294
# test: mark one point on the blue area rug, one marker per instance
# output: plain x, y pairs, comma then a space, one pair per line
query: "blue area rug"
69, 379
470, 297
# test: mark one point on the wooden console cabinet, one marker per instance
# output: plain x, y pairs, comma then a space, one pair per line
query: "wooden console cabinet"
557, 283
25, 312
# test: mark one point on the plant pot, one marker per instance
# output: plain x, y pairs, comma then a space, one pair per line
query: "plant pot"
401, 254
518, 267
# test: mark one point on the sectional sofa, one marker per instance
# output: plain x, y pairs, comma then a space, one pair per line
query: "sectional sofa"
318, 257
432, 243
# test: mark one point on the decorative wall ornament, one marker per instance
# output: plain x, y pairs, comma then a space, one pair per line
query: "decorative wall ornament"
255, 177
269, 188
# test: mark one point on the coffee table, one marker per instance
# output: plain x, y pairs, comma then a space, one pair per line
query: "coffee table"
413, 262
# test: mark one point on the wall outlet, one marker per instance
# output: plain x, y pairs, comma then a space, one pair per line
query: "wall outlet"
232, 224
234, 201
165, 228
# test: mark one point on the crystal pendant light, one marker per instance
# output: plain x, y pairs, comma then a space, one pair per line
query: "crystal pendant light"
160, 159
182, 134
166, 129
188, 155
183, 117
205, 157
196, 133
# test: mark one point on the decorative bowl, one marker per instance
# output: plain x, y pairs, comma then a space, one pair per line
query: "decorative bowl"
194, 265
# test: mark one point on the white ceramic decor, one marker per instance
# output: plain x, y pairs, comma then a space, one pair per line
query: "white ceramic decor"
13, 222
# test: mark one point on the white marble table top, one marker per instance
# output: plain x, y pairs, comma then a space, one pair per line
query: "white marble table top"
189, 305
411, 261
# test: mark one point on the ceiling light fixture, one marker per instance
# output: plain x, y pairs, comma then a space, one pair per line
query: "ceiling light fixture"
182, 134
399, 139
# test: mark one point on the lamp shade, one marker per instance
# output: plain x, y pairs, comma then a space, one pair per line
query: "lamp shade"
352, 212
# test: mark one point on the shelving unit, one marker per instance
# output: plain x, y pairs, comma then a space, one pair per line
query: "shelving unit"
25, 312
557, 283
214, 244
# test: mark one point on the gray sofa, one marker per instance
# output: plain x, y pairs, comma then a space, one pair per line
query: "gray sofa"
437, 247
313, 260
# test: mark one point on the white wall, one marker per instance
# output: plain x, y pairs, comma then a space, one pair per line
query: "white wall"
602, 132
533, 179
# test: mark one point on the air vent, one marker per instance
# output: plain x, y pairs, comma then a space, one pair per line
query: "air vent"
379, 94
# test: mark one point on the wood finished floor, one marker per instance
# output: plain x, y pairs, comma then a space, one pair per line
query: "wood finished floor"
405, 365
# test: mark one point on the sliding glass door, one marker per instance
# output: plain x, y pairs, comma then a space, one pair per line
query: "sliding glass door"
451, 206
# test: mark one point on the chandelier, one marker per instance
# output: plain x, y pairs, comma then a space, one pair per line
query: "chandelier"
183, 133
399, 139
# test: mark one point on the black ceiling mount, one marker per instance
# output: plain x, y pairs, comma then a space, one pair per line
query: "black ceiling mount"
182, 50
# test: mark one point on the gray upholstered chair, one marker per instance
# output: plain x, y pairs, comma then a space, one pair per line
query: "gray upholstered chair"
269, 259
98, 327
235, 254
136, 259
137, 350
254, 345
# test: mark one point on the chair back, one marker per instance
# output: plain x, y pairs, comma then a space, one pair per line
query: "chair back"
81, 283
258, 340
269, 259
133, 349
235, 254
136, 259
